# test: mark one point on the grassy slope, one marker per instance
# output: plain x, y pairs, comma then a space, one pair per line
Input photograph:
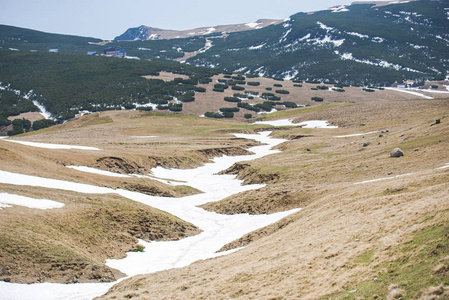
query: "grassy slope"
346, 235
71, 244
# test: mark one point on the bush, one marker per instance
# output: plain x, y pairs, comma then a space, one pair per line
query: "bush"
4, 121
220, 86
175, 107
270, 96
317, 99
434, 87
213, 115
228, 114
338, 90
238, 77
322, 87
253, 83
129, 106
205, 80
297, 85
277, 85
20, 126
220, 90
227, 76
248, 106
43, 124
252, 76
290, 104
268, 88
248, 116
368, 90
251, 93
284, 92
238, 88
232, 99
238, 95
229, 109
200, 89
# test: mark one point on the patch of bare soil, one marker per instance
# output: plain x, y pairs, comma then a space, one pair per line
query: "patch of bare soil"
71, 244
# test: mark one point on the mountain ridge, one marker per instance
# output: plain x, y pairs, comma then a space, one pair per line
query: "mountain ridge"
144, 33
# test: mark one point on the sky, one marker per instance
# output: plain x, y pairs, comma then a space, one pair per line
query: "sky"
108, 19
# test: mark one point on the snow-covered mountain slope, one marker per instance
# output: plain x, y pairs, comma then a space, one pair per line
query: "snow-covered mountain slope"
144, 33
364, 43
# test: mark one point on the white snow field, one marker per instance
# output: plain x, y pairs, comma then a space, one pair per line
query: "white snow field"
218, 229
306, 124
10, 199
51, 146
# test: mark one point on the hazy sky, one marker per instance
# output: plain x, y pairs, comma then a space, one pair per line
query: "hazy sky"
108, 19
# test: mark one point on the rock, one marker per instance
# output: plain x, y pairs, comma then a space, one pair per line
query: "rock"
397, 153
366, 144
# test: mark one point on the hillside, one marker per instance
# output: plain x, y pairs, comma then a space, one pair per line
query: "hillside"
371, 226
359, 43
144, 33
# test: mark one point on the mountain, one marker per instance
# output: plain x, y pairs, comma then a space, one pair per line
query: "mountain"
352, 43
144, 33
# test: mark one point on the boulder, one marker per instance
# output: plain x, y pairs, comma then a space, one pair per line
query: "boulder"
397, 153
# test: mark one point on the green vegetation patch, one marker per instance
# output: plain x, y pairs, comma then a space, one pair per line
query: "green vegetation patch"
420, 263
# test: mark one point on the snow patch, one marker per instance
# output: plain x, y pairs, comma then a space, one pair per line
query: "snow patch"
341, 8
256, 47
355, 134
306, 124
362, 36
253, 25
51, 146
409, 92
6, 199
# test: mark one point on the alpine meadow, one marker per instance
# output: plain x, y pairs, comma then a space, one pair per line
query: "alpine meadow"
304, 158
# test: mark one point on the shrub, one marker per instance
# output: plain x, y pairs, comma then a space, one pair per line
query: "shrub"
213, 115
228, 114
220, 86
229, 109
317, 99
297, 85
238, 77
434, 87
277, 85
227, 76
238, 88
220, 90
4, 121
248, 116
268, 88
284, 92
43, 124
338, 90
232, 99
253, 83
20, 126
175, 106
252, 76
205, 80
248, 106
251, 93
322, 87
368, 90
270, 96
200, 89
129, 106
290, 104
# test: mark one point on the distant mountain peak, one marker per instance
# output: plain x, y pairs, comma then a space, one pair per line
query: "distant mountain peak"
145, 33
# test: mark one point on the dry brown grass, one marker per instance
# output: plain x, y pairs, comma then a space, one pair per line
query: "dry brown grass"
71, 244
317, 251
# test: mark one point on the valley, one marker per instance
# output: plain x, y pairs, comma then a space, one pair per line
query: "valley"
304, 158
